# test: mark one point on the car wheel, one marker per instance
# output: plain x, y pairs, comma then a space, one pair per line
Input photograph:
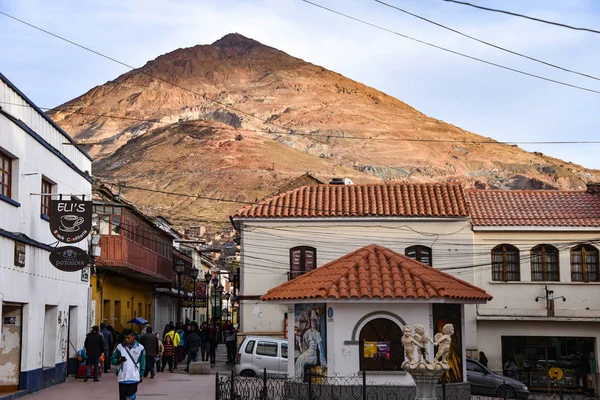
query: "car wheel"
248, 373
506, 392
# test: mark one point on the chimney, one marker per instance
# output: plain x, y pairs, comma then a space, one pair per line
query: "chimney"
593, 187
341, 181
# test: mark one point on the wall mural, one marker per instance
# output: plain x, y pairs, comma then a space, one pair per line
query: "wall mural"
310, 339
451, 314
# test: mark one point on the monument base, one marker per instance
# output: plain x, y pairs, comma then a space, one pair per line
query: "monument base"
426, 377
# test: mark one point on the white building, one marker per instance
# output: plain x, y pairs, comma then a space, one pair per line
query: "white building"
44, 310
537, 254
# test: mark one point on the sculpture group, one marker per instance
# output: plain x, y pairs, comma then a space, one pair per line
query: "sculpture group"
418, 342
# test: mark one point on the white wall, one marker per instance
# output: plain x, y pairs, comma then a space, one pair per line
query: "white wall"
38, 283
266, 244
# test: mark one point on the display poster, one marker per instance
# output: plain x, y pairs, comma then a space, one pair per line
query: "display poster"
370, 350
310, 339
451, 314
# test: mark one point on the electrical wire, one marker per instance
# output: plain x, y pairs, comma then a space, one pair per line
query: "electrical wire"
523, 16
452, 51
487, 43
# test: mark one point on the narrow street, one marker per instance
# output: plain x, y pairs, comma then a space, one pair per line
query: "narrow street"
178, 385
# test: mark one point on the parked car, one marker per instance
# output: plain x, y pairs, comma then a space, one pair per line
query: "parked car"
259, 352
486, 383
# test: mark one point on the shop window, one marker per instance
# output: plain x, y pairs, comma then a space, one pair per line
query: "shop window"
303, 259
506, 263
584, 264
419, 253
5, 175
45, 200
544, 263
381, 346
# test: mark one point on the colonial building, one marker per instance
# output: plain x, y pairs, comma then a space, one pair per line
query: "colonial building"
44, 310
536, 252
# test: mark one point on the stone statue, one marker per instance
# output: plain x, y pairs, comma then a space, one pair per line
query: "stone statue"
422, 338
409, 343
443, 340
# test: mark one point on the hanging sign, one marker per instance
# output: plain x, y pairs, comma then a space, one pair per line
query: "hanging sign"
69, 258
70, 220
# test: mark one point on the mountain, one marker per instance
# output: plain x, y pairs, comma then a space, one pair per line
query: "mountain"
239, 120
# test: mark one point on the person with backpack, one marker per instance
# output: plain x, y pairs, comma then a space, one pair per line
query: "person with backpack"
231, 343
193, 345
94, 349
130, 359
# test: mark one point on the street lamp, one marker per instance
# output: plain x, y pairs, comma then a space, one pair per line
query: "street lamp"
227, 296
194, 275
179, 267
207, 277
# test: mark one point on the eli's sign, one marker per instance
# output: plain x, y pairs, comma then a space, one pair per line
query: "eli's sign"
70, 220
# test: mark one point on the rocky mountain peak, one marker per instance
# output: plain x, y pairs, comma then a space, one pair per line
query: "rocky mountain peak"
237, 40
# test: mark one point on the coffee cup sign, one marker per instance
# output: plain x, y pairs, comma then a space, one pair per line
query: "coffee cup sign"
70, 220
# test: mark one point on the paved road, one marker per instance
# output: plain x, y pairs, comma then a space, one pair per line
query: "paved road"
178, 385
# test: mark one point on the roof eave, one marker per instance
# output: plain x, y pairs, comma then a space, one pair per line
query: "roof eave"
377, 300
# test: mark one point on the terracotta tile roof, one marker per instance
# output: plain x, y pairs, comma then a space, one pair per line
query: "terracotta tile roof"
371, 200
533, 208
375, 272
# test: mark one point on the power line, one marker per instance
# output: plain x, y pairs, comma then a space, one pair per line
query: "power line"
314, 135
523, 16
452, 51
487, 43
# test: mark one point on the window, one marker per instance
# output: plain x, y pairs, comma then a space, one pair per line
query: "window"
46, 188
268, 349
419, 253
110, 219
471, 366
5, 175
544, 263
302, 259
249, 347
506, 263
584, 264
381, 346
284, 350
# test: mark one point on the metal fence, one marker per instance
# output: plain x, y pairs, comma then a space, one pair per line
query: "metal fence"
318, 387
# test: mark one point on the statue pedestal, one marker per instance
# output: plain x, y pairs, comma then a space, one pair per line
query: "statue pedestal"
426, 377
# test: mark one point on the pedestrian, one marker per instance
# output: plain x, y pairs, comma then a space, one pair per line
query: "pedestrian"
193, 345
130, 359
150, 343
483, 359
108, 345
230, 343
161, 350
168, 354
94, 349
175, 339
212, 341
204, 341
180, 351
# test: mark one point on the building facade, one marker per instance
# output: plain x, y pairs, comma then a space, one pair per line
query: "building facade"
44, 310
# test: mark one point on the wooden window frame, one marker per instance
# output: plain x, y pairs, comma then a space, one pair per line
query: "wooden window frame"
418, 249
46, 187
302, 263
6, 178
504, 265
585, 266
543, 263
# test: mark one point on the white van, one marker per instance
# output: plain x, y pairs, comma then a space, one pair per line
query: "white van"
259, 352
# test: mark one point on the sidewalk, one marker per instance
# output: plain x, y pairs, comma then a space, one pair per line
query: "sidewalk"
178, 385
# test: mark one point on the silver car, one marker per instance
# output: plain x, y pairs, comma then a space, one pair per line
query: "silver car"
259, 352
485, 382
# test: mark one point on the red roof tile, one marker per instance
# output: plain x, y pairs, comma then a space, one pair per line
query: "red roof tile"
372, 200
533, 208
375, 272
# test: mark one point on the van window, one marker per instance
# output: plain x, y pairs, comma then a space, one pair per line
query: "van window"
268, 349
249, 347
284, 350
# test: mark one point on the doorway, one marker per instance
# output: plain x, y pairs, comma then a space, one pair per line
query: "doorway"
10, 347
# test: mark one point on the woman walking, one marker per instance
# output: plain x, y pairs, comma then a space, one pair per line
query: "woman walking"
168, 354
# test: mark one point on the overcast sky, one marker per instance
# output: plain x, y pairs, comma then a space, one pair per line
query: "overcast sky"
474, 96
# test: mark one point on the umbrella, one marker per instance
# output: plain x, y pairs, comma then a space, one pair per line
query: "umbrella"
138, 321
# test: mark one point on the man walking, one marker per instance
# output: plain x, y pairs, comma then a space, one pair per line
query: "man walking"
212, 341
151, 347
108, 345
130, 358
94, 348
193, 345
